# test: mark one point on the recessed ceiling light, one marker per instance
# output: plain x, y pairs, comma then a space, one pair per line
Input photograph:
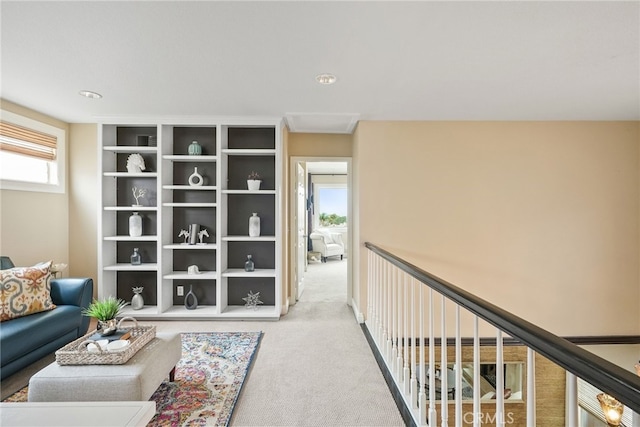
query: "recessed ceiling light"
90, 94
326, 79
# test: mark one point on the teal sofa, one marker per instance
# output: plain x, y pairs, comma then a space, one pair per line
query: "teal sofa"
25, 340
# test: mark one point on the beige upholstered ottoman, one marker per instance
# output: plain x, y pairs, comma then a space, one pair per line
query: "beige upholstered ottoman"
135, 380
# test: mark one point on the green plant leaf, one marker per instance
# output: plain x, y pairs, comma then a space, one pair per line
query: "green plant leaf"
105, 309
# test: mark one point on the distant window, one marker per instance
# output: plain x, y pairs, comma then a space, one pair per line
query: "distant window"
31, 155
332, 205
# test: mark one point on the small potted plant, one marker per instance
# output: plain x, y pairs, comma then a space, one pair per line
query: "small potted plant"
105, 311
253, 181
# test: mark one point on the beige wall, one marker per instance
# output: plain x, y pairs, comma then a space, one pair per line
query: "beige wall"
539, 218
320, 145
34, 225
83, 201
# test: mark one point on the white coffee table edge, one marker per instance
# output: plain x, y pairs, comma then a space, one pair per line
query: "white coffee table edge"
76, 414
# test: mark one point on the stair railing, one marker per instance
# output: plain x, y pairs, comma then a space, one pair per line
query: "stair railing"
401, 328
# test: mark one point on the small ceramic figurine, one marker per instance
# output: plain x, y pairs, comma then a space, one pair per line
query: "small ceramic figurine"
252, 300
201, 235
135, 163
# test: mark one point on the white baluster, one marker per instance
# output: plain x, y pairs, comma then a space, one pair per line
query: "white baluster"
370, 288
393, 363
376, 298
380, 310
444, 386
571, 401
458, 370
432, 362
384, 350
422, 406
399, 336
369, 285
389, 314
531, 388
499, 380
414, 349
407, 338
476, 373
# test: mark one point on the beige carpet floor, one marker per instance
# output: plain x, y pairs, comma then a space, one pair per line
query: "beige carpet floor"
314, 366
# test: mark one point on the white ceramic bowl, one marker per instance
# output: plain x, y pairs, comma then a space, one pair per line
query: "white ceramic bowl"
94, 349
118, 345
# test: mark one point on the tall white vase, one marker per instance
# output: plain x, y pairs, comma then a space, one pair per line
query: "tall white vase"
135, 225
254, 225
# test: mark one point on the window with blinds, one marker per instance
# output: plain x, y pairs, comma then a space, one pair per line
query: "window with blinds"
31, 154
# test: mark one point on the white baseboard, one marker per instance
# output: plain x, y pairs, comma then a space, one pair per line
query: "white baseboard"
359, 316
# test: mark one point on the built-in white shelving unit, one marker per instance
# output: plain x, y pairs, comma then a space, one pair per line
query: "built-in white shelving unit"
221, 205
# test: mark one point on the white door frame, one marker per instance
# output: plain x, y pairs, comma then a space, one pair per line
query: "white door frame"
300, 221
292, 215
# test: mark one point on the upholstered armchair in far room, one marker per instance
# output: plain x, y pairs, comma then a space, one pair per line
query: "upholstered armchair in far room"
327, 244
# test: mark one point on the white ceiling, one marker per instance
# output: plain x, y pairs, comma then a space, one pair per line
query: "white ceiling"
394, 60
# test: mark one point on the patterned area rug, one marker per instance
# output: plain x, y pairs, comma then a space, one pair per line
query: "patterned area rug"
208, 380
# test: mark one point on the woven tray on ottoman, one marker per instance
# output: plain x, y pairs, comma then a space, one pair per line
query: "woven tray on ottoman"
77, 352
135, 380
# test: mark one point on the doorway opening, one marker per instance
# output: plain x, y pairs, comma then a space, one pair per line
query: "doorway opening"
321, 232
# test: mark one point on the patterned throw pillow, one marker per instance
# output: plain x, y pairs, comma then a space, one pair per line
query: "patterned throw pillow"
25, 290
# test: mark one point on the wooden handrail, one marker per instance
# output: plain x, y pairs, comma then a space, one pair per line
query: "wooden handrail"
606, 376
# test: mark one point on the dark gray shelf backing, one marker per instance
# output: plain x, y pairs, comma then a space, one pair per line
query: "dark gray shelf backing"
239, 287
126, 280
183, 136
183, 217
182, 172
243, 138
204, 259
124, 191
149, 223
150, 162
128, 135
205, 291
147, 251
262, 254
194, 196
241, 166
241, 206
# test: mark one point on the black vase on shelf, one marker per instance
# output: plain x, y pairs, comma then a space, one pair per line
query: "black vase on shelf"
190, 300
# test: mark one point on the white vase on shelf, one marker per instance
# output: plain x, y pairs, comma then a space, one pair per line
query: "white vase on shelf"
135, 225
195, 179
137, 302
254, 225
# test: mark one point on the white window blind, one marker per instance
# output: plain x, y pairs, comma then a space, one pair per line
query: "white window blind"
29, 142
